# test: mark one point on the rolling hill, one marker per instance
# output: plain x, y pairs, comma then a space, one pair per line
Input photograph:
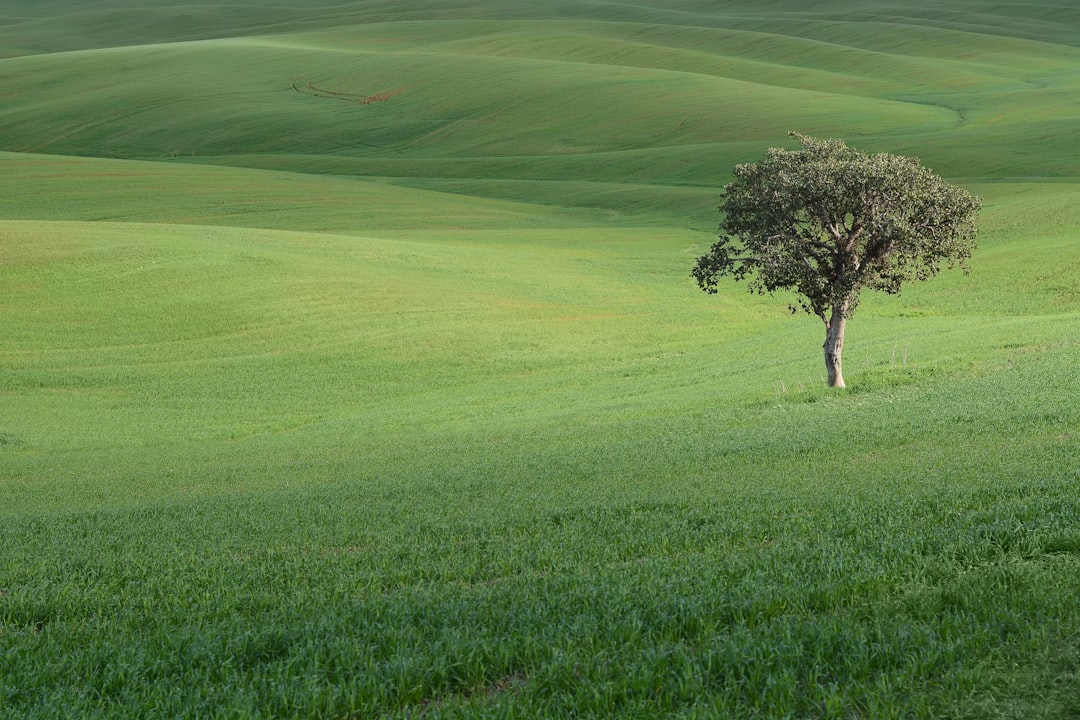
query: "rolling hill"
350, 366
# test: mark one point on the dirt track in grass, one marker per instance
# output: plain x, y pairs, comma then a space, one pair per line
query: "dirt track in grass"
311, 89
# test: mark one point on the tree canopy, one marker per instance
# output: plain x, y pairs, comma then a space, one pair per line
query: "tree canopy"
827, 220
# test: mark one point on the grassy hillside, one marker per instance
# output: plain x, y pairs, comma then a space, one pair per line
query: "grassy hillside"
350, 366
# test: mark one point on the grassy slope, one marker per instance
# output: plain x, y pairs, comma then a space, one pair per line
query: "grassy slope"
329, 442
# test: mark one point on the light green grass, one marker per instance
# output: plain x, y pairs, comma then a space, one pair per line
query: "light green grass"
311, 408
43, 187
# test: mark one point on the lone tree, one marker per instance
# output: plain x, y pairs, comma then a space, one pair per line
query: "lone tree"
827, 221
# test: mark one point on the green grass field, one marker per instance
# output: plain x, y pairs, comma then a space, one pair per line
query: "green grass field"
350, 366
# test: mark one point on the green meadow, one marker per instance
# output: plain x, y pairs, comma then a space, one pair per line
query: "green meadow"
351, 367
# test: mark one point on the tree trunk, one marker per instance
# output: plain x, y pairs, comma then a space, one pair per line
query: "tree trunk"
834, 346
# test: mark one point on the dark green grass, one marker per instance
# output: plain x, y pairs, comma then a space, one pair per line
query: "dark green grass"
276, 97
311, 408
901, 585
573, 99
53, 25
